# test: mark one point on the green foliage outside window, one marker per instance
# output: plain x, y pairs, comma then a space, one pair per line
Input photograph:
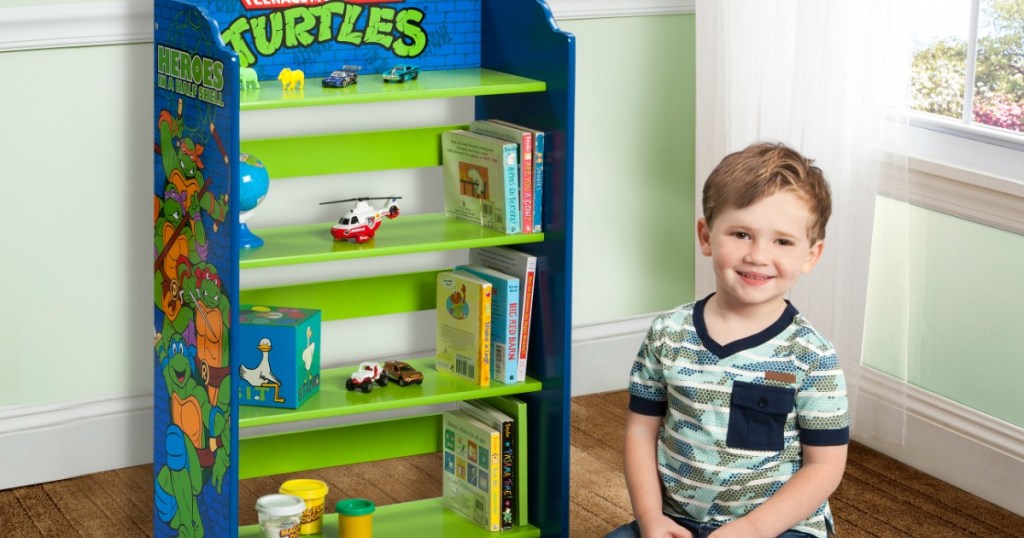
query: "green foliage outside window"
939, 70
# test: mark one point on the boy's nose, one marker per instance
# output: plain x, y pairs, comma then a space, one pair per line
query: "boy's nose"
756, 253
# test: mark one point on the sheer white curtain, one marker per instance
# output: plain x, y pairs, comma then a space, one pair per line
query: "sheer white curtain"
818, 76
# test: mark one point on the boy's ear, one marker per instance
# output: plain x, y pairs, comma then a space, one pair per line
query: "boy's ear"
813, 255
704, 236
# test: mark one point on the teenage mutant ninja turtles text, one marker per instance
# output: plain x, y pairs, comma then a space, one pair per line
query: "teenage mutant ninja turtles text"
397, 30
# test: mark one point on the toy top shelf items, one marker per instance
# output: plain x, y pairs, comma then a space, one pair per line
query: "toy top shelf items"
516, 64
464, 82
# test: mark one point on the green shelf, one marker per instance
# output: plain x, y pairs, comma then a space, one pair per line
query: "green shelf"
430, 232
423, 519
334, 400
346, 153
371, 89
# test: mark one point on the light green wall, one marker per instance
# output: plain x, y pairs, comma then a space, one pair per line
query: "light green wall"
77, 229
965, 329
78, 138
634, 216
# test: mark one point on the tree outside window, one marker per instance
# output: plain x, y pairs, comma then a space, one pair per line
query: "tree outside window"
968, 62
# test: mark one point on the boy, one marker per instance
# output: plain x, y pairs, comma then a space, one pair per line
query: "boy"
738, 423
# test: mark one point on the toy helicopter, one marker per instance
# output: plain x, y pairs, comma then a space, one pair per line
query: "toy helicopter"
362, 221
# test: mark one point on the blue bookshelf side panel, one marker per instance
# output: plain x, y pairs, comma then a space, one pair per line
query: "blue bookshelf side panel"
320, 36
523, 38
195, 275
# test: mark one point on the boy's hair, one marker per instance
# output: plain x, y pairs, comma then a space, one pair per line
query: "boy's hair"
761, 170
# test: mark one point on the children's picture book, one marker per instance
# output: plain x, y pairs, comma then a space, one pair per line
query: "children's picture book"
523, 266
504, 322
524, 141
481, 180
471, 477
506, 426
516, 408
538, 172
464, 326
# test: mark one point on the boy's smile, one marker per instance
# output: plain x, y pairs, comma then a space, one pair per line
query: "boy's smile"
759, 252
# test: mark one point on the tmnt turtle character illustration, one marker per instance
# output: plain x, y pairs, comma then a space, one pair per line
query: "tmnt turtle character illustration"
180, 235
192, 319
211, 311
197, 441
169, 274
182, 160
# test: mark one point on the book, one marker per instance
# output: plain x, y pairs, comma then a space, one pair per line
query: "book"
524, 141
521, 265
506, 426
504, 322
538, 173
464, 326
516, 408
470, 480
481, 180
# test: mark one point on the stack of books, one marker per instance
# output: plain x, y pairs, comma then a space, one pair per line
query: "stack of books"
494, 175
484, 312
484, 459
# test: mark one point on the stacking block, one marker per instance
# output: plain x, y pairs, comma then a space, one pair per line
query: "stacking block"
279, 355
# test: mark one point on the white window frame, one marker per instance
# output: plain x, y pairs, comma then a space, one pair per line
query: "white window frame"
964, 168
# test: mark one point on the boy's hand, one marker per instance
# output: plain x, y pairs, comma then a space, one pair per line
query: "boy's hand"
661, 526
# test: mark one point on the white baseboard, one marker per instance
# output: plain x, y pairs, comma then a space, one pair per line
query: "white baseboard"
603, 354
43, 443
976, 452
973, 451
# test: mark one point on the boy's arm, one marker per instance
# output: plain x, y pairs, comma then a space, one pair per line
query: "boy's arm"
819, 476
642, 478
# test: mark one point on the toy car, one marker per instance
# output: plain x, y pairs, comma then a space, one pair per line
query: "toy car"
403, 374
342, 77
368, 373
401, 73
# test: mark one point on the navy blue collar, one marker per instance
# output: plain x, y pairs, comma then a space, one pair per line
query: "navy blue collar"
742, 344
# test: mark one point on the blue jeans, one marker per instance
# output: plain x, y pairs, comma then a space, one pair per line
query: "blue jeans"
699, 530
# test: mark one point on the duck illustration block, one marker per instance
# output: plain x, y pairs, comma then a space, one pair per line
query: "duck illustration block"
279, 355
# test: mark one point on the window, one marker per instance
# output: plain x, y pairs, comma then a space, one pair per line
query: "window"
968, 68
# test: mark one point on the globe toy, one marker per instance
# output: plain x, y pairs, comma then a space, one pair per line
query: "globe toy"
252, 190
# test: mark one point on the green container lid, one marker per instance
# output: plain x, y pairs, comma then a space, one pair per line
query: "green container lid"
354, 507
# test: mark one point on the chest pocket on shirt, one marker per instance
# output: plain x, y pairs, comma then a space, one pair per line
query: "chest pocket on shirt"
757, 416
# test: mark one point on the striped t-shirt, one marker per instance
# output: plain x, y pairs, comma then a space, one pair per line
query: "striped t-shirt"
736, 415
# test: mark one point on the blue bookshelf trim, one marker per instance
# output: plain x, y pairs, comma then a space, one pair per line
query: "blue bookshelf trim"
517, 37
522, 38
195, 194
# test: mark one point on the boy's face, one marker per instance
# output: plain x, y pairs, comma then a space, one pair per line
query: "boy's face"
759, 252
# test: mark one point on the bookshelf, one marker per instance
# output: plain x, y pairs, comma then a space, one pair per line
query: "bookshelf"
515, 64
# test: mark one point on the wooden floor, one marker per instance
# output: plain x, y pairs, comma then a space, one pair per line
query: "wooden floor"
879, 497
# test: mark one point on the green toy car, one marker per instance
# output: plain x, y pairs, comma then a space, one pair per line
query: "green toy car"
401, 73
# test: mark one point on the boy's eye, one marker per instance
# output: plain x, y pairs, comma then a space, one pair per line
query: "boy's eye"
741, 235
785, 242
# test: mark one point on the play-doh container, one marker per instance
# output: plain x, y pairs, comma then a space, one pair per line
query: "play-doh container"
313, 492
280, 515
355, 518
